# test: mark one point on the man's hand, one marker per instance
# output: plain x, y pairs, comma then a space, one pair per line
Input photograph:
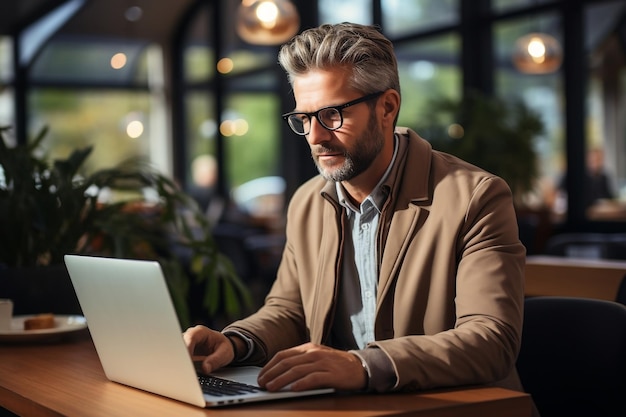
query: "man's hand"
217, 349
311, 366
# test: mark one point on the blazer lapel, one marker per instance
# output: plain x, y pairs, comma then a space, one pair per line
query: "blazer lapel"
402, 228
410, 185
327, 275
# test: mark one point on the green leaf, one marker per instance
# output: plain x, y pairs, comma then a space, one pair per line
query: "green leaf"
47, 211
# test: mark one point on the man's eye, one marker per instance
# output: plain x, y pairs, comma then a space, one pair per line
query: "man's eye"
331, 114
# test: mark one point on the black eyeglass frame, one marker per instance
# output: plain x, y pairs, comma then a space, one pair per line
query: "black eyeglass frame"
339, 109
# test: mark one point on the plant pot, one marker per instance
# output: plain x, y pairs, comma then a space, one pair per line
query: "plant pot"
40, 289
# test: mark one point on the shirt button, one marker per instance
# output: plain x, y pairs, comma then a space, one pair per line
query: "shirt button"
365, 226
368, 294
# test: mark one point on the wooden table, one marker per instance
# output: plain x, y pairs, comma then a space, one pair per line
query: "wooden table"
66, 379
570, 277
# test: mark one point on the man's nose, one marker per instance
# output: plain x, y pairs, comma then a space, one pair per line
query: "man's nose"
317, 133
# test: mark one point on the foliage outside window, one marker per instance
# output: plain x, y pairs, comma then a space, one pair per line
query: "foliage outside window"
6, 75
254, 153
79, 118
428, 70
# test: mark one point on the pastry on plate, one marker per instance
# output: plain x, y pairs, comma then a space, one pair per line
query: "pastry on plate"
39, 322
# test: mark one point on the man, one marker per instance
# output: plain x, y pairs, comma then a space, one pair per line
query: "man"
598, 184
402, 268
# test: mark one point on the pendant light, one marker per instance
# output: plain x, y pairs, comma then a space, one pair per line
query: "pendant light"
537, 53
267, 22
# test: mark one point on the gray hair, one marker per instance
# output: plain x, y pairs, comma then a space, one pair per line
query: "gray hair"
359, 48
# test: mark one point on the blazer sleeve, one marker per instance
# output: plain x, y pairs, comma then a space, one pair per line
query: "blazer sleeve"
281, 322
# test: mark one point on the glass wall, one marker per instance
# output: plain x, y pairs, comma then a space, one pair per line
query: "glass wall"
114, 93
429, 69
200, 121
406, 17
115, 123
603, 192
245, 136
541, 92
357, 11
251, 132
606, 111
103, 93
6, 79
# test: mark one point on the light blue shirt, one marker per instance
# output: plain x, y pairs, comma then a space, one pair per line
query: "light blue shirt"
360, 268
356, 310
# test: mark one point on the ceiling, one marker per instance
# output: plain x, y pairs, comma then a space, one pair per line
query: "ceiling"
14, 14
100, 18
105, 18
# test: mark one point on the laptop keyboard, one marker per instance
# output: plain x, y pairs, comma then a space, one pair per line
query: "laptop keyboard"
213, 385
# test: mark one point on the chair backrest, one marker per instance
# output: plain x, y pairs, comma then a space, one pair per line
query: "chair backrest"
621, 292
587, 245
573, 356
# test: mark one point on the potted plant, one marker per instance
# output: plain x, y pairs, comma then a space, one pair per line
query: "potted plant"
490, 133
50, 209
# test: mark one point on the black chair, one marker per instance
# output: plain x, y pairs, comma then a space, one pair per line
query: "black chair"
621, 292
527, 226
573, 356
587, 245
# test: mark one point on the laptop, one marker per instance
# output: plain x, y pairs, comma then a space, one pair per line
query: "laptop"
138, 338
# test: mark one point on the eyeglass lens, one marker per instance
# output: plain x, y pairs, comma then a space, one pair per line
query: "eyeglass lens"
330, 118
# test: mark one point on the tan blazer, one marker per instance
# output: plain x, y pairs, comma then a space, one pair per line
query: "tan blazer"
450, 293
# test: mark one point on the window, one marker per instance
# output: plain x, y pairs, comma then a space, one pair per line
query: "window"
428, 69
102, 119
542, 93
507, 5
87, 98
253, 140
247, 130
404, 17
355, 11
81, 60
6, 78
606, 110
233, 93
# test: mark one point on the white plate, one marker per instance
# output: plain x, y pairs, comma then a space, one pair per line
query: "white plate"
63, 324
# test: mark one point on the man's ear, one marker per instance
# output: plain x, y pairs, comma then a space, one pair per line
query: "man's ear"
390, 101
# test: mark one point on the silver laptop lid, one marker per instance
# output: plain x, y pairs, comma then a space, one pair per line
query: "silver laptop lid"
134, 325
137, 335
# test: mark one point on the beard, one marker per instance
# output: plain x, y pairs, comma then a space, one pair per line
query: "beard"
357, 159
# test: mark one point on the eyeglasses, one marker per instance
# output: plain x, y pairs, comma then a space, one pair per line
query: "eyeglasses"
329, 117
